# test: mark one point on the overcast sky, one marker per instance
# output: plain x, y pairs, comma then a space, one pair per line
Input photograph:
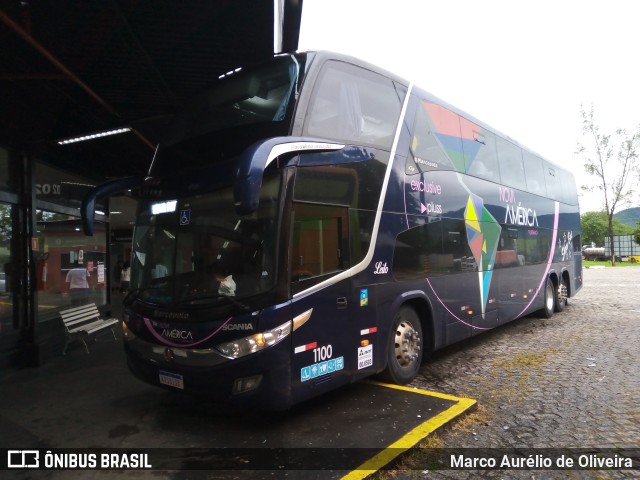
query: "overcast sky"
524, 67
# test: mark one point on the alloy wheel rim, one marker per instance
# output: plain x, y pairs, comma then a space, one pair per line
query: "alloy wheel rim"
407, 344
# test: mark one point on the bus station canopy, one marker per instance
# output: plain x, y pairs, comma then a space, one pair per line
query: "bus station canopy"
74, 68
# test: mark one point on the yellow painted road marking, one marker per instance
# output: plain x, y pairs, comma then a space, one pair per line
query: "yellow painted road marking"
412, 437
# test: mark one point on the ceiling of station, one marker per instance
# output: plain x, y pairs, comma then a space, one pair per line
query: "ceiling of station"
73, 67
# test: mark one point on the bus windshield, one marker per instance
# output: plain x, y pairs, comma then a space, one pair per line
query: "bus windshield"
241, 109
197, 250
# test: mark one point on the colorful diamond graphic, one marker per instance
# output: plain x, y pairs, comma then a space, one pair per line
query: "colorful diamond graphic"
483, 234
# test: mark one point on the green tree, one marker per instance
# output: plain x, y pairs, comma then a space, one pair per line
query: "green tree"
636, 234
612, 159
620, 228
595, 227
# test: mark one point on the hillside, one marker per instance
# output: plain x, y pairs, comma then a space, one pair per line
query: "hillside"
630, 216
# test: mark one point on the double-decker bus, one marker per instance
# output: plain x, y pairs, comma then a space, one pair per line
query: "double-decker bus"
316, 220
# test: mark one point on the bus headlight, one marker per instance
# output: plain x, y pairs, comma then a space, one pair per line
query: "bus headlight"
254, 343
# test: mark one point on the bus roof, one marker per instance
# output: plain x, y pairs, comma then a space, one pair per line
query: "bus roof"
324, 55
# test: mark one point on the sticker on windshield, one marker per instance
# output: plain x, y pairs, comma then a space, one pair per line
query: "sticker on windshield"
185, 217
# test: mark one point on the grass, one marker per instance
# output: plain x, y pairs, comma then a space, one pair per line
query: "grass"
591, 263
525, 359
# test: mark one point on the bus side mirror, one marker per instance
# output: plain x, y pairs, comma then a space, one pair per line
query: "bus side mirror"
256, 159
88, 208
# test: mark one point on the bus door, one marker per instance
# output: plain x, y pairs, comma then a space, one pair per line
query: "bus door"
324, 336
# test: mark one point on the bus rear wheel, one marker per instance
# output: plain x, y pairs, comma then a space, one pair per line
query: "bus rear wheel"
549, 299
561, 295
405, 347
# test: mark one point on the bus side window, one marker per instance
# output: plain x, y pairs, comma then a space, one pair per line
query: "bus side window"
319, 245
426, 152
455, 244
554, 185
511, 165
482, 157
436, 248
354, 105
569, 191
418, 253
537, 245
534, 170
508, 253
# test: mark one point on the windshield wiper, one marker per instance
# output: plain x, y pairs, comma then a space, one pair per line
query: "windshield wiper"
135, 293
235, 302
229, 298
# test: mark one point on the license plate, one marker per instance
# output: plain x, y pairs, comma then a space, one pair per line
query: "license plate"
172, 379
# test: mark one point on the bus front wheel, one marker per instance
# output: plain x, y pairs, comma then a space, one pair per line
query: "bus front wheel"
405, 347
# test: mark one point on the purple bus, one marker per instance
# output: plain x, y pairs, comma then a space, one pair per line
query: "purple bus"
316, 220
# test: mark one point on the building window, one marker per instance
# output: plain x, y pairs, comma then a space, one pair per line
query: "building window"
71, 268
7, 269
61, 188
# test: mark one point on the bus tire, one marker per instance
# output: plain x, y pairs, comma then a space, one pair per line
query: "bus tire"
404, 353
561, 295
549, 299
